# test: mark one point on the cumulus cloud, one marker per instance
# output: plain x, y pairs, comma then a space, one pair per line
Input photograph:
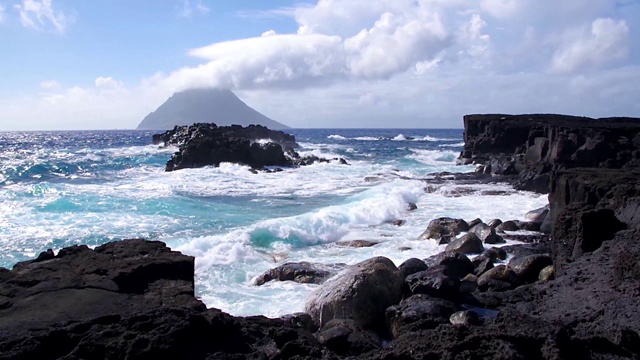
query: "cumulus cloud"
40, 15
606, 41
107, 83
419, 63
188, 9
50, 84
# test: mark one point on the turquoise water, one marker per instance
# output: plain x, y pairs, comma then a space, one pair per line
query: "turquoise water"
64, 188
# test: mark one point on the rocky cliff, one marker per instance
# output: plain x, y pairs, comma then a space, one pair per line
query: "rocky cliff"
532, 147
205, 105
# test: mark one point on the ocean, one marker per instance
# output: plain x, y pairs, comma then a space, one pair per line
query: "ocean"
89, 187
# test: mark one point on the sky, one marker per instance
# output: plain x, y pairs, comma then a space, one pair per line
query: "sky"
105, 64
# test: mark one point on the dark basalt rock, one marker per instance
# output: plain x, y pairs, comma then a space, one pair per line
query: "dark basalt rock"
508, 226
433, 282
487, 234
444, 228
130, 299
495, 253
481, 265
419, 312
468, 243
528, 267
454, 264
356, 243
498, 278
302, 272
412, 266
466, 317
344, 337
256, 146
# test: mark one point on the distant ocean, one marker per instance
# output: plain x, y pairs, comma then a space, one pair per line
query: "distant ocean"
63, 188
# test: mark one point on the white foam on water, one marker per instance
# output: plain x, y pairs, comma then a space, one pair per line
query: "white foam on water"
399, 137
460, 144
227, 263
433, 157
337, 137
367, 138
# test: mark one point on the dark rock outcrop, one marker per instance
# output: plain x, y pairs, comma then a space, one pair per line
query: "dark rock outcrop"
131, 299
531, 147
302, 272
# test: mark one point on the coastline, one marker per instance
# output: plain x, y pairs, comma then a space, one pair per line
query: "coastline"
542, 319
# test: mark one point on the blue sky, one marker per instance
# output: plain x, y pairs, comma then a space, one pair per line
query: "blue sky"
327, 63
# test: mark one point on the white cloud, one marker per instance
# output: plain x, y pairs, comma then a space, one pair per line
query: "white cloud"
50, 84
405, 63
1, 14
187, 9
605, 42
107, 83
40, 15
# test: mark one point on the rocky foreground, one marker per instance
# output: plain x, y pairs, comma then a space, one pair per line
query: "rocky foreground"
573, 295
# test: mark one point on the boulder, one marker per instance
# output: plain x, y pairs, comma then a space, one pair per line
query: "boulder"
547, 274
474, 222
433, 282
412, 266
529, 225
356, 243
361, 293
481, 264
301, 272
495, 254
419, 312
456, 264
537, 214
468, 243
508, 226
528, 267
443, 228
494, 223
497, 277
411, 206
468, 284
486, 234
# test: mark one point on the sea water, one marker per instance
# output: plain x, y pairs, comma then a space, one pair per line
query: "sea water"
63, 188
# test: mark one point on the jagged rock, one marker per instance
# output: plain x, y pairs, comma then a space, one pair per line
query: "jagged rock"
468, 243
528, 267
419, 312
412, 266
361, 293
521, 250
486, 234
302, 272
411, 206
466, 317
398, 222
439, 233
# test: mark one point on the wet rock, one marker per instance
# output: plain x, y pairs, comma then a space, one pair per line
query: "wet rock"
474, 222
453, 226
468, 284
508, 226
520, 250
302, 272
495, 254
499, 278
404, 248
528, 267
468, 243
434, 282
356, 243
441, 234
537, 215
486, 234
481, 264
411, 206
412, 266
361, 293
398, 222
345, 338
494, 223
547, 274
419, 312
454, 264
529, 225
466, 317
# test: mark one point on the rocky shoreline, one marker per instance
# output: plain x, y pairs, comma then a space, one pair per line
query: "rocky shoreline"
572, 294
